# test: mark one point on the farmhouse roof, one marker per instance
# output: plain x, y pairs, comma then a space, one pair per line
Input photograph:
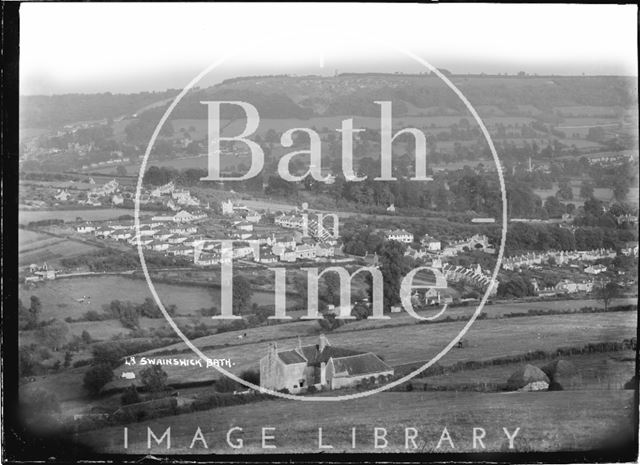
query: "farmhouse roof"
313, 355
290, 357
360, 364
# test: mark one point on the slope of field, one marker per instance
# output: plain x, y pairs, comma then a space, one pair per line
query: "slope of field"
548, 421
98, 214
596, 371
101, 290
397, 319
37, 248
487, 339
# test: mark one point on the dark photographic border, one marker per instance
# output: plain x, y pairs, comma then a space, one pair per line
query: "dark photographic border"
20, 446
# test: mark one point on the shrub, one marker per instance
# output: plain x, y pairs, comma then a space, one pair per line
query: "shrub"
251, 376
96, 377
130, 396
154, 378
225, 384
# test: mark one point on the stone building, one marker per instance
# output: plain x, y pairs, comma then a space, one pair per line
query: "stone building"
320, 365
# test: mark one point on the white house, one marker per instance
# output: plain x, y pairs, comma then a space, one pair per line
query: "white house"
62, 195
400, 235
163, 190
595, 269
85, 228
430, 243
117, 199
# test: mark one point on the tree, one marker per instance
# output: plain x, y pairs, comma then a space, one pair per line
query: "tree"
621, 190
251, 376
586, 190
329, 322
154, 378
394, 267
242, 294
121, 170
86, 337
96, 377
130, 396
564, 191
24, 316
606, 292
300, 288
35, 308
27, 361
332, 281
554, 208
68, 357
54, 335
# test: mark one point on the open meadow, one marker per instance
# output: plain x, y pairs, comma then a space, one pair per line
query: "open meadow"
64, 298
35, 247
548, 421
96, 214
487, 339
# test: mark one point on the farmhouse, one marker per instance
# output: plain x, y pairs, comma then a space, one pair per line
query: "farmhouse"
320, 365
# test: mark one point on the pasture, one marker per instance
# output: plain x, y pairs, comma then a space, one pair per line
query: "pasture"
34, 247
599, 371
198, 127
399, 345
297, 327
97, 214
601, 193
101, 290
548, 421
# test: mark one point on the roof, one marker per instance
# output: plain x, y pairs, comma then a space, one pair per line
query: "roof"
315, 357
360, 364
290, 357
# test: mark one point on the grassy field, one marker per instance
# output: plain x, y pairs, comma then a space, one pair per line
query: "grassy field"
600, 193
60, 297
601, 371
548, 421
397, 319
34, 247
99, 214
334, 122
487, 339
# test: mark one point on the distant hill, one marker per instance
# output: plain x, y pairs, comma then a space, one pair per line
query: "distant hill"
354, 94
55, 111
302, 97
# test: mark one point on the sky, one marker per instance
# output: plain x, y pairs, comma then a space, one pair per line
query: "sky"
133, 47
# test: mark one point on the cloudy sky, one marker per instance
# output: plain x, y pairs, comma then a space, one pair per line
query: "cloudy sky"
99, 47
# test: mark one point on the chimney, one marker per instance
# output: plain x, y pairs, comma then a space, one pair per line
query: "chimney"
324, 342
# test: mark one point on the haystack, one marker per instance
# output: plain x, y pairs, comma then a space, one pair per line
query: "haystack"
528, 378
562, 375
